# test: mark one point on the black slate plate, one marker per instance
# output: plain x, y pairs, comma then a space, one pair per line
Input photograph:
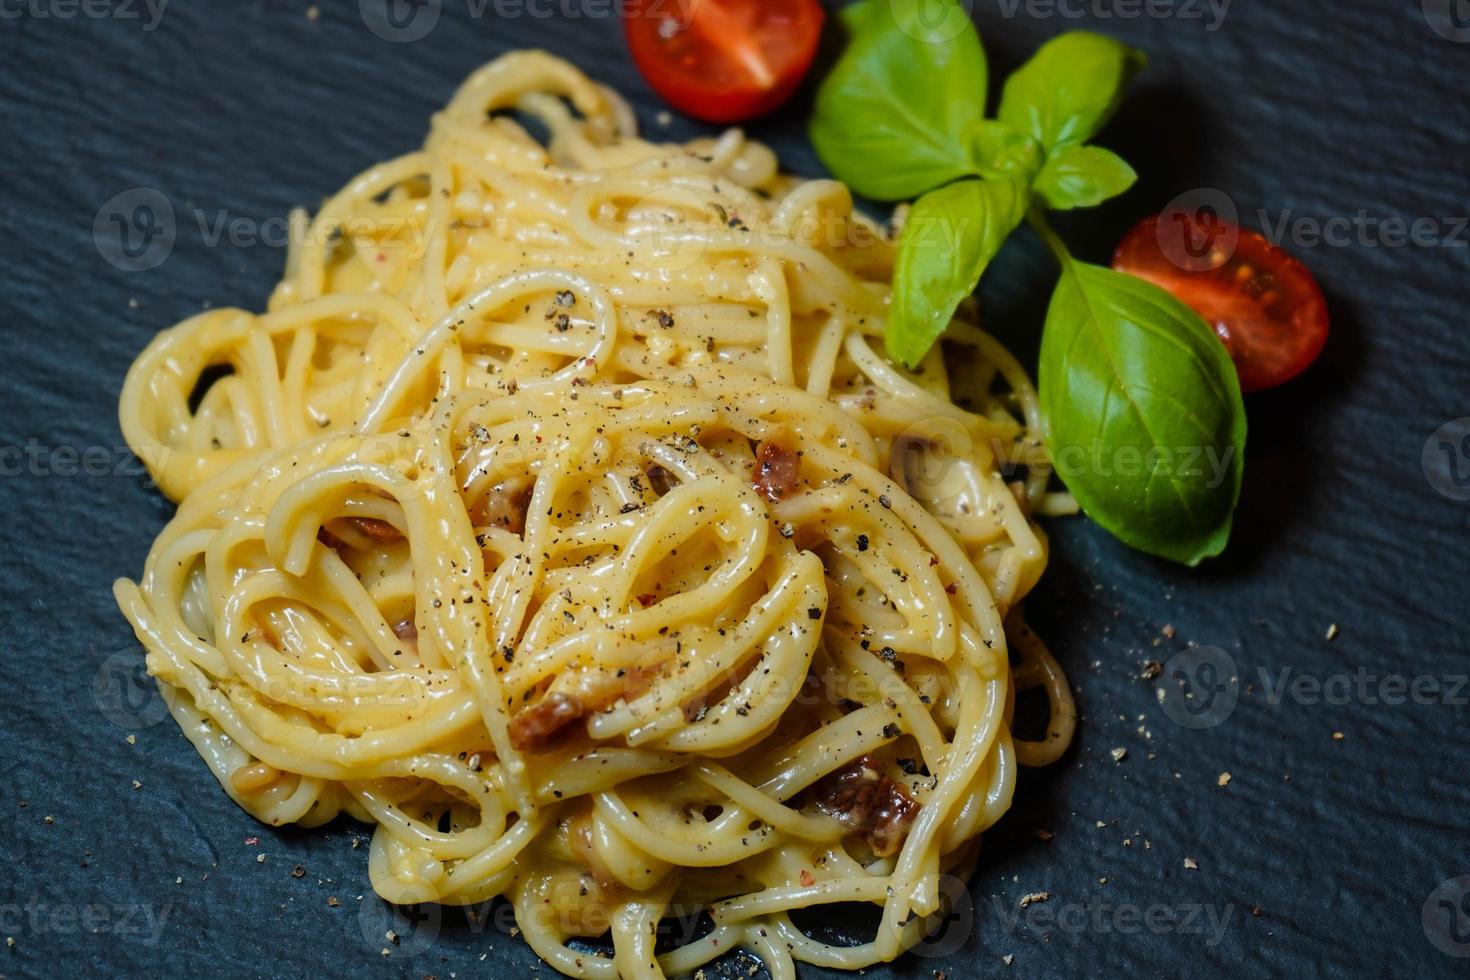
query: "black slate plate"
1322, 856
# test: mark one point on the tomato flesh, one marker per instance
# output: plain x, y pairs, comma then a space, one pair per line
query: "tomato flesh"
724, 61
1264, 304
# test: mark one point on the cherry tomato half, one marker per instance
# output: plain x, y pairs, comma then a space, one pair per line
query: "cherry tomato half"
724, 60
1265, 305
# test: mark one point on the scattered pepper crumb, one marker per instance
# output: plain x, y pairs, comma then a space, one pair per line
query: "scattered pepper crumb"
1223, 780
1331, 632
1033, 898
1338, 736
1191, 864
1119, 754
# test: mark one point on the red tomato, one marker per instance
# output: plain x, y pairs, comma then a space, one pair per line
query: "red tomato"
724, 60
1265, 305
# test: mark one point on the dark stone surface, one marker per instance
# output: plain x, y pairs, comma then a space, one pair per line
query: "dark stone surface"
1309, 110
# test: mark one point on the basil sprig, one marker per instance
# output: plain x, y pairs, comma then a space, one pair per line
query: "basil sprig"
1141, 405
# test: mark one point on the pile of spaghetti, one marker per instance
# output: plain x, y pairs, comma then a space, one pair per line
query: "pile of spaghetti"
563, 519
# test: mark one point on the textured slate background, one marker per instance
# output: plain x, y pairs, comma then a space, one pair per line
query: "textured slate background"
1310, 110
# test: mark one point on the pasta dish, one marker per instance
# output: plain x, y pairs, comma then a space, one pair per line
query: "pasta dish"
563, 519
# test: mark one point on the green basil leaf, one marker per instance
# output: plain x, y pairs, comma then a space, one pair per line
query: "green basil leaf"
1001, 149
949, 237
1069, 88
1082, 177
892, 119
1143, 413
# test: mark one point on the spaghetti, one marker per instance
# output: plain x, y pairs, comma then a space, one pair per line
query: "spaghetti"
561, 519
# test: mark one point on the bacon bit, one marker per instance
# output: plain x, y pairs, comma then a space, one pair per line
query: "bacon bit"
539, 725
869, 803
807, 878
647, 599
951, 588
505, 505
777, 468
374, 528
